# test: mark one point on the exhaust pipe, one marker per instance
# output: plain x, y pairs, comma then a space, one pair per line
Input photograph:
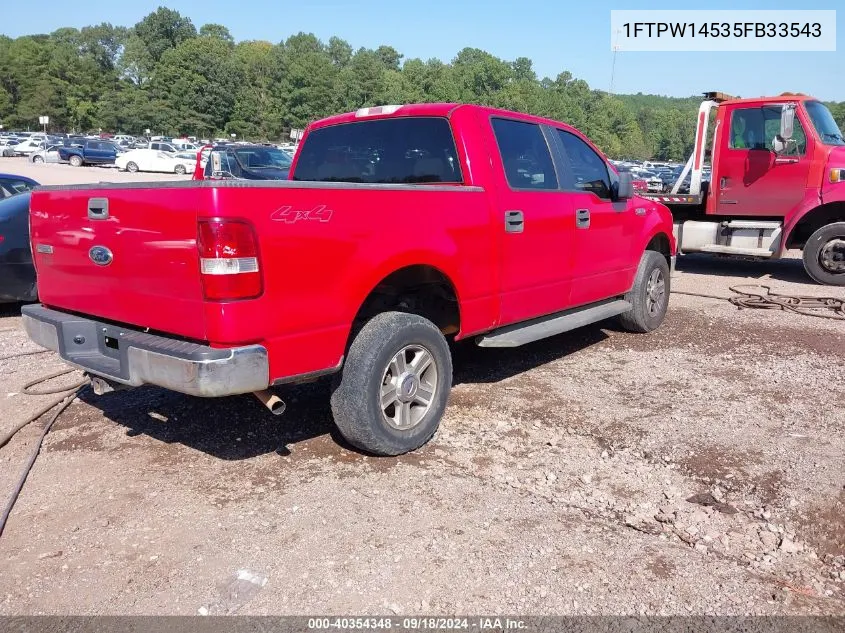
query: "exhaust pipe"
103, 386
270, 400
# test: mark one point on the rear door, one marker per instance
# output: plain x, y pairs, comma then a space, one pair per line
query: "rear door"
537, 223
603, 229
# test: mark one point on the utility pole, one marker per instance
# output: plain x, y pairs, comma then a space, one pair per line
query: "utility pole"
613, 63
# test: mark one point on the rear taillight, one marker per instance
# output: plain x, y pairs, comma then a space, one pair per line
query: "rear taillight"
228, 252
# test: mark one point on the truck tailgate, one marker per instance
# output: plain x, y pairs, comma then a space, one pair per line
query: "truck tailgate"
124, 254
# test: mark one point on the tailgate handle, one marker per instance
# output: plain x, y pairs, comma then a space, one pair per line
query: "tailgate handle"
98, 208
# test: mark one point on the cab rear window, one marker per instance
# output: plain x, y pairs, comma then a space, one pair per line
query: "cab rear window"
385, 151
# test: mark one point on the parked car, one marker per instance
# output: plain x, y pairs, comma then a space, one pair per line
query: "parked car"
92, 152
47, 154
400, 226
153, 160
7, 147
11, 185
25, 148
17, 273
248, 162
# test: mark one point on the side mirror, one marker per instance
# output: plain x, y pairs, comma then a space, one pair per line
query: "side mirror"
787, 121
624, 188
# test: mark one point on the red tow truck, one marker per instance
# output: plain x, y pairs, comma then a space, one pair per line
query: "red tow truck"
400, 226
777, 183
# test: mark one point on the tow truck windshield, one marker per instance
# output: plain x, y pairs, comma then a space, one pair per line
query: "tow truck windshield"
824, 123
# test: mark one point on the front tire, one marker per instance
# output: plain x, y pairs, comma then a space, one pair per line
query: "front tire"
130, 166
37, 159
649, 297
75, 161
180, 170
394, 384
824, 255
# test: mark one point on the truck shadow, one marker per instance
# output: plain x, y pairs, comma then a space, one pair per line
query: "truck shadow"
789, 269
240, 428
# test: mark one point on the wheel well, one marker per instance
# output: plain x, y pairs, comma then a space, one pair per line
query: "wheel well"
660, 244
813, 221
422, 290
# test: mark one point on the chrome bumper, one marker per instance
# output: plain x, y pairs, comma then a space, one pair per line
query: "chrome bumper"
134, 358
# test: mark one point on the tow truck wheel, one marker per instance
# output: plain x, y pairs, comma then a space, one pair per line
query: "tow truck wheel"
649, 297
394, 385
824, 255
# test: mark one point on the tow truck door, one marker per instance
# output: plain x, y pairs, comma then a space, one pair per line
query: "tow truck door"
750, 179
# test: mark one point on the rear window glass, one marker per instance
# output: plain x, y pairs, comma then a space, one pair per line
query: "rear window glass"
10, 187
400, 150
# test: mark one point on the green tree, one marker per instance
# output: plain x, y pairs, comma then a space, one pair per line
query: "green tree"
163, 30
217, 30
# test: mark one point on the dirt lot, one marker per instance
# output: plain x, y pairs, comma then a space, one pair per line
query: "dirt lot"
699, 469
58, 174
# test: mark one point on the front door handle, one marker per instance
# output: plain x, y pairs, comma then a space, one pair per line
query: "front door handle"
514, 221
723, 182
582, 218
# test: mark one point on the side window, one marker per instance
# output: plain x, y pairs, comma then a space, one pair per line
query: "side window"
587, 170
747, 129
771, 128
525, 155
155, 146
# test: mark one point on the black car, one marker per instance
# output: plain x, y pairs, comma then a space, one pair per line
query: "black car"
17, 274
249, 162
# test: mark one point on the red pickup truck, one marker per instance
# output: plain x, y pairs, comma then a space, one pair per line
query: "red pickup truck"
400, 227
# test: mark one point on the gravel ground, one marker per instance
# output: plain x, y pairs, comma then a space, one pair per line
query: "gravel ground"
696, 470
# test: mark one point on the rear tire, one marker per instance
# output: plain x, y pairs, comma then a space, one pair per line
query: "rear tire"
130, 166
75, 161
180, 170
394, 385
37, 159
649, 296
824, 255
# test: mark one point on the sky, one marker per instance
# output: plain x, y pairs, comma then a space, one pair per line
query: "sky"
557, 35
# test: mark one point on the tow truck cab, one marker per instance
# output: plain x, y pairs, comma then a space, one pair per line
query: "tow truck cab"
778, 166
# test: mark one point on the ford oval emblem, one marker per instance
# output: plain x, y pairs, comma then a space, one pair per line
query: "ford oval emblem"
100, 255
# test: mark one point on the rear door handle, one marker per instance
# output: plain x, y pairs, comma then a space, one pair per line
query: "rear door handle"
514, 222
582, 218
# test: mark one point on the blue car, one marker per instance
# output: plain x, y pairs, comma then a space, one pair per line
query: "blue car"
11, 185
17, 274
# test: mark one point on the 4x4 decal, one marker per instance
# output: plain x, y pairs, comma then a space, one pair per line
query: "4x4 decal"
290, 215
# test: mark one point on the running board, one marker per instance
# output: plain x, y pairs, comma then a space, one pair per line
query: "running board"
557, 323
735, 250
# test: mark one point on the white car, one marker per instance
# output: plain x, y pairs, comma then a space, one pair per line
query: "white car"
154, 160
46, 154
25, 148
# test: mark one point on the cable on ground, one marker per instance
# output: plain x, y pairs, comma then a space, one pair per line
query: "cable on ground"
65, 395
821, 307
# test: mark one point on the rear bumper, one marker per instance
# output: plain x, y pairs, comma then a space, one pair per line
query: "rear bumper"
135, 358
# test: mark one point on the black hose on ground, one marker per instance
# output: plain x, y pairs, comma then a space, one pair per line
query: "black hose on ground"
821, 307
11, 356
66, 395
